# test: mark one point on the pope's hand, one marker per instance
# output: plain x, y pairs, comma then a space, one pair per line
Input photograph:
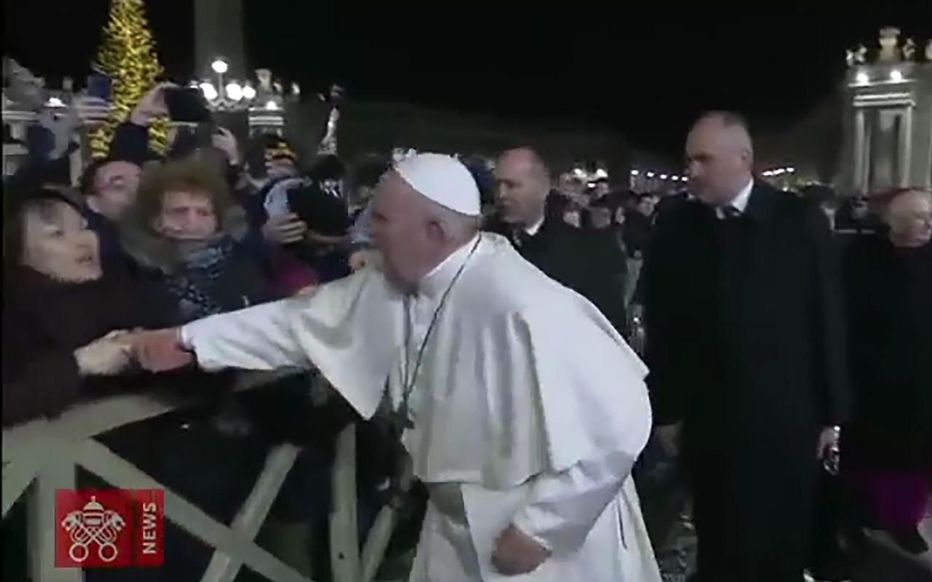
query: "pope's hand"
162, 350
517, 553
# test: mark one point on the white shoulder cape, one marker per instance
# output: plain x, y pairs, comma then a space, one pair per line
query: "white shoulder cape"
521, 376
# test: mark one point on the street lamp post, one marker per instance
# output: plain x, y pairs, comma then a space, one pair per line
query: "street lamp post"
227, 97
263, 103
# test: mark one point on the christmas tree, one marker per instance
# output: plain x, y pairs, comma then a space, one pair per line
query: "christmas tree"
127, 56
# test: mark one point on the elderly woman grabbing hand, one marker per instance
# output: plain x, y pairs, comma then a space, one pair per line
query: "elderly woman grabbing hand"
65, 324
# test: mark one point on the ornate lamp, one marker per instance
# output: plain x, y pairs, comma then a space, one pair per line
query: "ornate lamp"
264, 101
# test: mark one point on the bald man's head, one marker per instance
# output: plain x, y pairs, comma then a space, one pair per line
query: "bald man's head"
522, 185
719, 157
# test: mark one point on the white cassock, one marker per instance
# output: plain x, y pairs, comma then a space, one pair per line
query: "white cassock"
528, 407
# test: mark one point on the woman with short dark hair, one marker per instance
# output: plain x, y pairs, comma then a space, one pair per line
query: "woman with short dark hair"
65, 324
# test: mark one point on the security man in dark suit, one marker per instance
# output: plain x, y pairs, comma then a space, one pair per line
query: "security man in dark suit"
745, 345
590, 263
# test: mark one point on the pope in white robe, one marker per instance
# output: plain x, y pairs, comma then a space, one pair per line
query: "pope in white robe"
527, 410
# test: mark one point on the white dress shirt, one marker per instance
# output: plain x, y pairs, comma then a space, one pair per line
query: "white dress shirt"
740, 202
535, 228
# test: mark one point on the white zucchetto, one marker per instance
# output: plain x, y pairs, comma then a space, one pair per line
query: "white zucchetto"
443, 179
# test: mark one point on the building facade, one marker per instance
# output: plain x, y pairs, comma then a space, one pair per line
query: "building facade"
888, 117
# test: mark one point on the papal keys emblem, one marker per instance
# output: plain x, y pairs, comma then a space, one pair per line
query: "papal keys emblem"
109, 528
92, 525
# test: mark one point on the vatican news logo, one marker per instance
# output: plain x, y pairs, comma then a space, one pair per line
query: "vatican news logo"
109, 528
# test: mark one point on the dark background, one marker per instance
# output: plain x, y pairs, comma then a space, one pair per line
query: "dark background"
646, 72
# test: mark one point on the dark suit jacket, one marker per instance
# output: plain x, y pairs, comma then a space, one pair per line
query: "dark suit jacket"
590, 263
45, 321
746, 346
762, 313
889, 300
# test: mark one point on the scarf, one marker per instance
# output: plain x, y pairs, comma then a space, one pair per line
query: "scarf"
199, 271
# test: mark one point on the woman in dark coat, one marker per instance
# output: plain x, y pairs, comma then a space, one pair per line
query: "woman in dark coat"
66, 326
888, 447
67, 336
65, 332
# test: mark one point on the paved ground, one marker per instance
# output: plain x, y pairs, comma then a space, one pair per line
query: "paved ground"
877, 561
885, 562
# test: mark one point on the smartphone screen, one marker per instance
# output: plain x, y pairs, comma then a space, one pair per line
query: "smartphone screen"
186, 104
205, 134
98, 86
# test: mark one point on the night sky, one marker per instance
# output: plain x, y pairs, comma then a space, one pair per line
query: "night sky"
645, 72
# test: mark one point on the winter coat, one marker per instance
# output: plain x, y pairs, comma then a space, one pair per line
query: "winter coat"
889, 302
45, 321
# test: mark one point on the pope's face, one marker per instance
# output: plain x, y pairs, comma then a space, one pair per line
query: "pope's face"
400, 229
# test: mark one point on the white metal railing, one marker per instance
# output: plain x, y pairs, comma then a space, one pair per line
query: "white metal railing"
48, 452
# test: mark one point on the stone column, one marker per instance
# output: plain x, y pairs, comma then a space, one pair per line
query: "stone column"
905, 146
858, 174
218, 31
885, 148
921, 153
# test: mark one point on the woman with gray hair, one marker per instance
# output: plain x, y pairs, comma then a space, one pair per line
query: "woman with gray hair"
187, 230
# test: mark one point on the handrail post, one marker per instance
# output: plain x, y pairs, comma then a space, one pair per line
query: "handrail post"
223, 566
59, 472
48, 452
373, 552
344, 528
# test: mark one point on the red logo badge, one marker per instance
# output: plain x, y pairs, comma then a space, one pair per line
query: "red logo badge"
109, 528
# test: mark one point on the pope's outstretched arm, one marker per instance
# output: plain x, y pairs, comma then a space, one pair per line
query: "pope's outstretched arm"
350, 330
257, 338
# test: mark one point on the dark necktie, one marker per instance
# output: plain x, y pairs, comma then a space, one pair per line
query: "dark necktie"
728, 211
520, 237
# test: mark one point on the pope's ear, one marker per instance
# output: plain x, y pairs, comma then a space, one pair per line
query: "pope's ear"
437, 231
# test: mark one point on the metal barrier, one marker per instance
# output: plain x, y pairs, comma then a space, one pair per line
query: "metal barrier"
48, 452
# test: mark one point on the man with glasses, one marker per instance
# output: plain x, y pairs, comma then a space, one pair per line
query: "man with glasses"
109, 188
